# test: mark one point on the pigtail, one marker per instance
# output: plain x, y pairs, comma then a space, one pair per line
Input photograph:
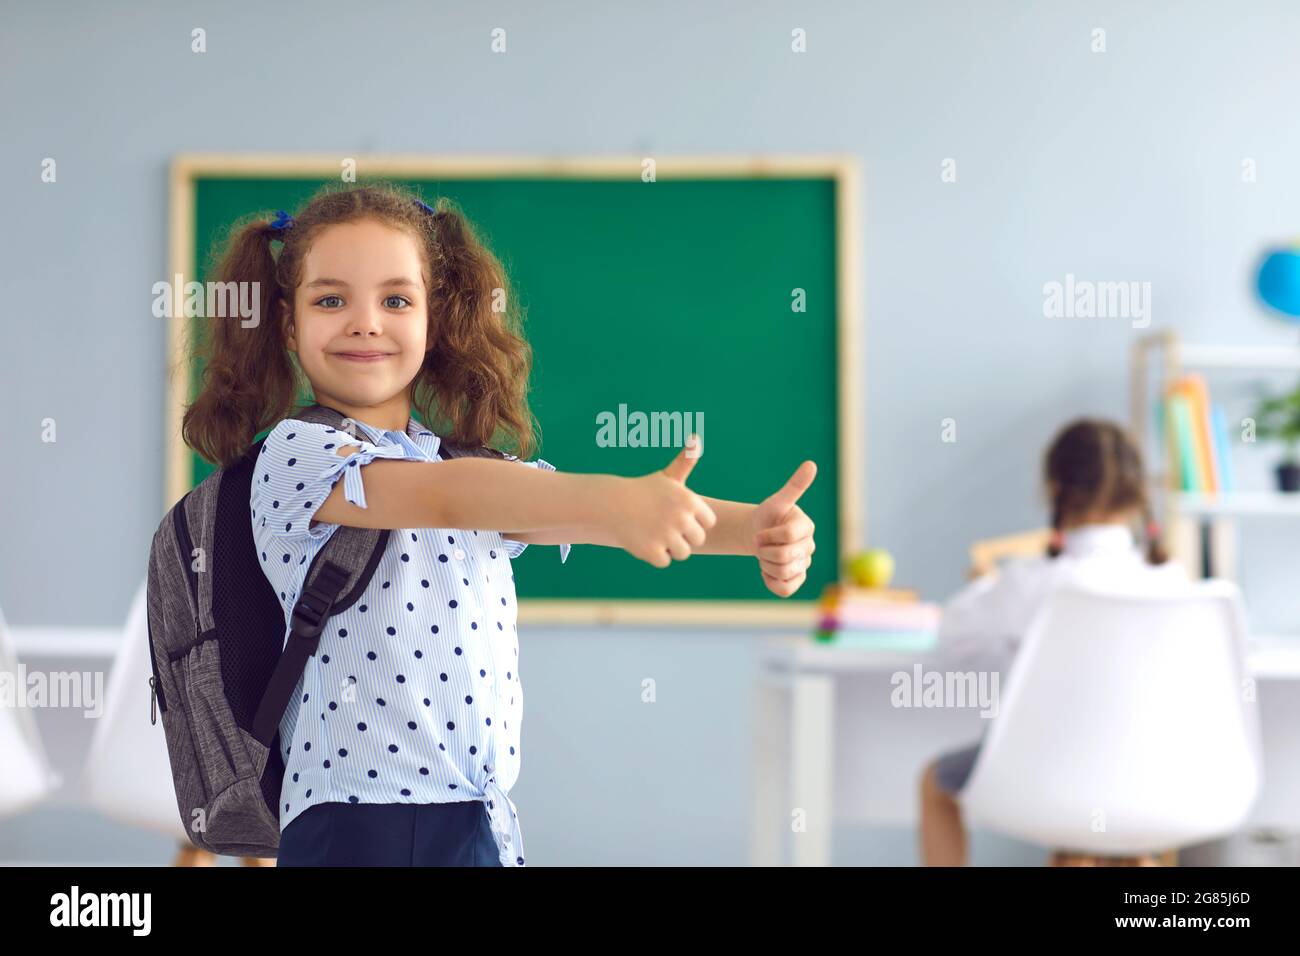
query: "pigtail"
1156, 553
479, 371
1054, 544
248, 381
1134, 489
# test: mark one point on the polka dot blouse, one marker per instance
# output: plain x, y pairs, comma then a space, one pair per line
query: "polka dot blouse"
413, 695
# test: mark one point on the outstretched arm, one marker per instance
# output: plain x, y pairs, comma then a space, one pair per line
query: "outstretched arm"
777, 532
733, 534
655, 517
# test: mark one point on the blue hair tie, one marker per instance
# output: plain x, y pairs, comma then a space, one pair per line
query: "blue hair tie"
284, 222
281, 223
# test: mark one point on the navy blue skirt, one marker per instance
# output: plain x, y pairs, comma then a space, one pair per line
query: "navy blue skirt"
390, 834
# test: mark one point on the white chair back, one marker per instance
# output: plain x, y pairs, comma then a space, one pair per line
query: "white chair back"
1127, 725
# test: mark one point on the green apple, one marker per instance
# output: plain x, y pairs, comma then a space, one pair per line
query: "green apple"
872, 569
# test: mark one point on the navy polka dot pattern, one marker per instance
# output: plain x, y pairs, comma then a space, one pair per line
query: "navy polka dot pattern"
414, 691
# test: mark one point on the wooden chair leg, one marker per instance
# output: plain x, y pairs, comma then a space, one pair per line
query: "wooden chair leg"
1066, 858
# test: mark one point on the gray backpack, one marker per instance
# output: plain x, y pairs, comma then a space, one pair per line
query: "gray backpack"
216, 628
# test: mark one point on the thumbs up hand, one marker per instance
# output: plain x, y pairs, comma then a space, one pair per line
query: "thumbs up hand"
783, 534
656, 517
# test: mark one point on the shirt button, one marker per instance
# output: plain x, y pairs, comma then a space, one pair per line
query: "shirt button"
460, 555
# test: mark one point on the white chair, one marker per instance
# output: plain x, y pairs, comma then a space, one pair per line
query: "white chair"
127, 775
1125, 727
26, 776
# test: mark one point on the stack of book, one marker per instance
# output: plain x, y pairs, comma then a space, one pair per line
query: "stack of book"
877, 618
1196, 433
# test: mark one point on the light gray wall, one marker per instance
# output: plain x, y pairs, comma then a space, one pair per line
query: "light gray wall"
1117, 165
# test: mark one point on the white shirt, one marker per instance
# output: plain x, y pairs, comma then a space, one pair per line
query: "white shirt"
983, 624
413, 695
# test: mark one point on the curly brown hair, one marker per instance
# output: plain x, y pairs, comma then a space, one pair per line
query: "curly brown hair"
1093, 466
472, 386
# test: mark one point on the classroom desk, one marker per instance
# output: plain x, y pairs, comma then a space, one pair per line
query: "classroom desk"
807, 777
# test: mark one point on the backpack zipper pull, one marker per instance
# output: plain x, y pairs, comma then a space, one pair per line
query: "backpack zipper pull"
153, 700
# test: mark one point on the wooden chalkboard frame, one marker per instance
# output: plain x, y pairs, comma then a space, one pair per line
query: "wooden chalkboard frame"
844, 171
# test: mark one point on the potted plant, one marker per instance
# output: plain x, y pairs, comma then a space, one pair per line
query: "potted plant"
1278, 418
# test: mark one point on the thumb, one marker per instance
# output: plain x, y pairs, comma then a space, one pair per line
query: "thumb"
681, 466
785, 497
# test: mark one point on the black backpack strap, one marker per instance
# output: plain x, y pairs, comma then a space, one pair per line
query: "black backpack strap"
335, 580
315, 606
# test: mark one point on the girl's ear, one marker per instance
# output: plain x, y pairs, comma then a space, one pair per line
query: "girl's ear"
289, 333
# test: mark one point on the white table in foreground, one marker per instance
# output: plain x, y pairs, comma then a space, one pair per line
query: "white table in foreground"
807, 776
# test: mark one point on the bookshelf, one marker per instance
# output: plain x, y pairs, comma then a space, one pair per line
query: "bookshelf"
1201, 529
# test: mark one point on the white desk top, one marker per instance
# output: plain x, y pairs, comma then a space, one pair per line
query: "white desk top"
1267, 657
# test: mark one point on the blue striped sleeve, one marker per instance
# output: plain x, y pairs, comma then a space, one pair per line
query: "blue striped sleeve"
299, 465
515, 548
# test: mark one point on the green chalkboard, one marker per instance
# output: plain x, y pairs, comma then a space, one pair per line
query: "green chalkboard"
672, 296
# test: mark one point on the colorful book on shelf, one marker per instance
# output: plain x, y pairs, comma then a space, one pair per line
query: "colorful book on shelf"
1194, 445
1196, 433
1203, 433
1180, 425
1219, 421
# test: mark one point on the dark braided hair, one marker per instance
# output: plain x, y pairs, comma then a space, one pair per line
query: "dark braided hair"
1094, 467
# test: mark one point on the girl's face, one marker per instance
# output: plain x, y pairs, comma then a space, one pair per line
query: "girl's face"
360, 319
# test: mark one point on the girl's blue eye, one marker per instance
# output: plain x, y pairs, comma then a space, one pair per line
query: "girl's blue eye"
391, 301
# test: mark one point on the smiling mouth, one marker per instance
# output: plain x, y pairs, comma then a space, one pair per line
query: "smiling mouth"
363, 356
